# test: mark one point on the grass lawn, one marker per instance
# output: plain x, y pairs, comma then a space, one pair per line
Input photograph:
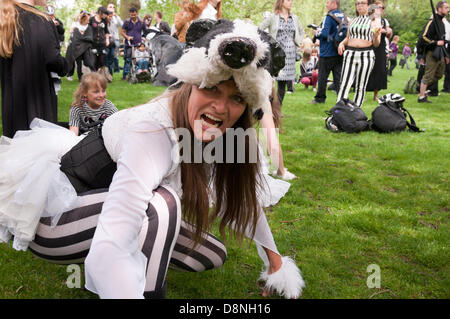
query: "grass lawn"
359, 200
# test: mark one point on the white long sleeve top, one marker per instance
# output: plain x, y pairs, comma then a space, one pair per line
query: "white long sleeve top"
142, 143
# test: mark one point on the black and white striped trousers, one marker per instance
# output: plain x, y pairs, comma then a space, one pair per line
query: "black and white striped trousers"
69, 241
356, 68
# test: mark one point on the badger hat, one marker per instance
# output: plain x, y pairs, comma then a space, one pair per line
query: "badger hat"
220, 50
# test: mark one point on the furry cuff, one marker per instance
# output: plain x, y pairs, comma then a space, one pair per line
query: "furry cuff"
287, 281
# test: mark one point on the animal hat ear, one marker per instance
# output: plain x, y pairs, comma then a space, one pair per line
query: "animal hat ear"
198, 29
275, 58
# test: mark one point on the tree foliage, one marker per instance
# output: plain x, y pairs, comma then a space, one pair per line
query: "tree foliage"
406, 17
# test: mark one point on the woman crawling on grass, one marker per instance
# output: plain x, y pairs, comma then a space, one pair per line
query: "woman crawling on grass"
156, 212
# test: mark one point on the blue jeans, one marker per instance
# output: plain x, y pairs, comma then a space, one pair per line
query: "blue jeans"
127, 59
110, 59
142, 65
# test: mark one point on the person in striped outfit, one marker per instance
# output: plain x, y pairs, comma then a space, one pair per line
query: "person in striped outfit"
363, 35
90, 104
158, 208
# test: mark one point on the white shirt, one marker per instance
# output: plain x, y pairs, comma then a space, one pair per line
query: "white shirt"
113, 27
209, 13
141, 143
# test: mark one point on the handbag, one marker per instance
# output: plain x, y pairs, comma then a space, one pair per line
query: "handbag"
88, 164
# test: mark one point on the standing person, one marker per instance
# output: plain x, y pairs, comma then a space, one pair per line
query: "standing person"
330, 60
434, 36
211, 9
113, 27
406, 54
162, 26
446, 87
80, 46
138, 221
147, 25
90, 104
364, 33
29, 52
58, 23
286, 28
183, 18
132, 30
393, 52
378, 76
99, 25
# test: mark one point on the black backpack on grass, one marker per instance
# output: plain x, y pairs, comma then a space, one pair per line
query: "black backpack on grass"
347, 117
391, 116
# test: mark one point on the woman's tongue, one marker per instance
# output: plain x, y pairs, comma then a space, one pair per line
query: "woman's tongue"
209, 121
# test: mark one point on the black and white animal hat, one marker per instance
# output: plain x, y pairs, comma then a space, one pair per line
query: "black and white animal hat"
220, 50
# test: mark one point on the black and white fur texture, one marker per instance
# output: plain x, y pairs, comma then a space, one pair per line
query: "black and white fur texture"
220, 50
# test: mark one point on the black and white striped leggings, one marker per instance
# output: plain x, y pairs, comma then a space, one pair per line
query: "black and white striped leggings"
69, 241
356, 68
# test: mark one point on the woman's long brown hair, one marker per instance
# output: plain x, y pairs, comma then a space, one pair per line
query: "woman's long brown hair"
10, 26
235, 183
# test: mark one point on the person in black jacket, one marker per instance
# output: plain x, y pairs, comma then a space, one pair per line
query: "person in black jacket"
80, 46
29, 52
58, 23
434, 36
99, 25
163, 26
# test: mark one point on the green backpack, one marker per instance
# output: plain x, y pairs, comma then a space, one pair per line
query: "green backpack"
411, 85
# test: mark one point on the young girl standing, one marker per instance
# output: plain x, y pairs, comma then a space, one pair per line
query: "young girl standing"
90, 104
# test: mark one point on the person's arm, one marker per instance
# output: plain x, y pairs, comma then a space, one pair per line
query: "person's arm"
300, 32
328, 24
51, 49
75, 130
266, 23
376, 29
343, 44
282, 274
74, 120
115, 266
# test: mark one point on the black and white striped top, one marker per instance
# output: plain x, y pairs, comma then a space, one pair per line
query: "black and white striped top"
81, 117
360, 28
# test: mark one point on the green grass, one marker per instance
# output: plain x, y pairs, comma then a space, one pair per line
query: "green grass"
360, 199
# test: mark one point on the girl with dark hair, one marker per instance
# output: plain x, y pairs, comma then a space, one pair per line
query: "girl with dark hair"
147, 180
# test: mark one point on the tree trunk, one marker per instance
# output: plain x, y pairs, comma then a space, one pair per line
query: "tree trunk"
125, 6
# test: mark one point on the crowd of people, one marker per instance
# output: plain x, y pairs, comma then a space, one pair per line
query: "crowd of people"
150, 209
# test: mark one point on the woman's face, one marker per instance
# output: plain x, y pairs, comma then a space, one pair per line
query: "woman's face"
96, 96
212, 110
362, 6
287, 4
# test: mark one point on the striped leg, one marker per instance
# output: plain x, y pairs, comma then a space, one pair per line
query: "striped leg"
69, 241
157, 239
161, 238
347, 75
365, 66
211, 253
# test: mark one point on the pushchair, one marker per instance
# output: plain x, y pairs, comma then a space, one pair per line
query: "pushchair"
141, 77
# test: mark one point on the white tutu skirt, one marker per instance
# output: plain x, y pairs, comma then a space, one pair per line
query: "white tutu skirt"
31, 183
272, 189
